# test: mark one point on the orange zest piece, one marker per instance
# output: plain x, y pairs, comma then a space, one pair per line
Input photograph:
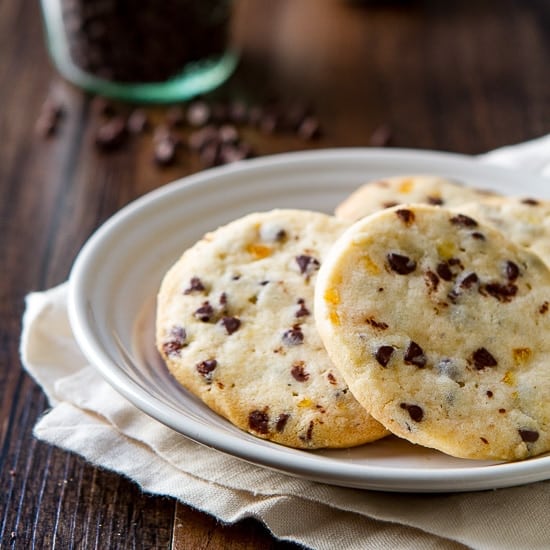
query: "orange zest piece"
521, 355
259, 251
334, 317
332, 296
406, 186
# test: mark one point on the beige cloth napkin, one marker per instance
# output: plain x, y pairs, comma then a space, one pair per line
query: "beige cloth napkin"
89, 418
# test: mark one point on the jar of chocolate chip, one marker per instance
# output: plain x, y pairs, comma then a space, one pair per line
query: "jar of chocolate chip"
141, 50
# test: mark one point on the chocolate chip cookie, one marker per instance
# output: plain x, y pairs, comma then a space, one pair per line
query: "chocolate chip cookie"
525, 221
440, 324
235, 326
421, 189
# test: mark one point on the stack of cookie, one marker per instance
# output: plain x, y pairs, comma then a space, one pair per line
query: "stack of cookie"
427, 318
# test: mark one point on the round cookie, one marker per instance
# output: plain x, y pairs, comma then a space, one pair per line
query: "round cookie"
525, 221
440, 327
235, 326
419, 189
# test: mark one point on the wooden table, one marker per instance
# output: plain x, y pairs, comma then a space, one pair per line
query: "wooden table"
457, 76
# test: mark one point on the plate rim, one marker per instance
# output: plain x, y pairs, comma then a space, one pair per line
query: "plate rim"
301, 464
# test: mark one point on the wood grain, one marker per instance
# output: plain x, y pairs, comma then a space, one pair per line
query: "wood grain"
458, 76
194, 530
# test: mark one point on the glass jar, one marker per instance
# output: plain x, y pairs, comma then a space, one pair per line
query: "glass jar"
141, 50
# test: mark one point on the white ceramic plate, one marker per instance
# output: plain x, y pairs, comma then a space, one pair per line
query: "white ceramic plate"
116, 276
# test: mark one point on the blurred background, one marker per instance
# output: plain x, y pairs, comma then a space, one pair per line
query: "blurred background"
461, 76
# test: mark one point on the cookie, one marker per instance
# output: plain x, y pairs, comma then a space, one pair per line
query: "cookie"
235, 326
439, 324
525, 221
419, 189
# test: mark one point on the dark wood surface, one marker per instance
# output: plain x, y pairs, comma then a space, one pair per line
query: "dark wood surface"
463, 76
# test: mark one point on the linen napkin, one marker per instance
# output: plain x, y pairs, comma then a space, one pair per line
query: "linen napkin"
89, 418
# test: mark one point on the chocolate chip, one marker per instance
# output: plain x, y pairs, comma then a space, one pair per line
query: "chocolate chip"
137, 122
273, 233
51, 113
415, 412
482, 358
444, 271
259, 421
414, 355
206, 368
165, 133
111, 135
298, 372
463, 221
46, 126
303, 311
231, 324
435, 201
165, 152
405, 215
383, 355
465, 283
331, 378
307, 264
530, 202
309, 128
223, 303
234, 152
401, 264
210, 154
503, 293
543, 308
468, 280
511, 270
178, 340
198, 139
381, 136
529, 436
198, 113
380, 325
293, 336
195, 285
228, 134
432, 280
282, 419
205, 312
309, 432
489, 393
478, 236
